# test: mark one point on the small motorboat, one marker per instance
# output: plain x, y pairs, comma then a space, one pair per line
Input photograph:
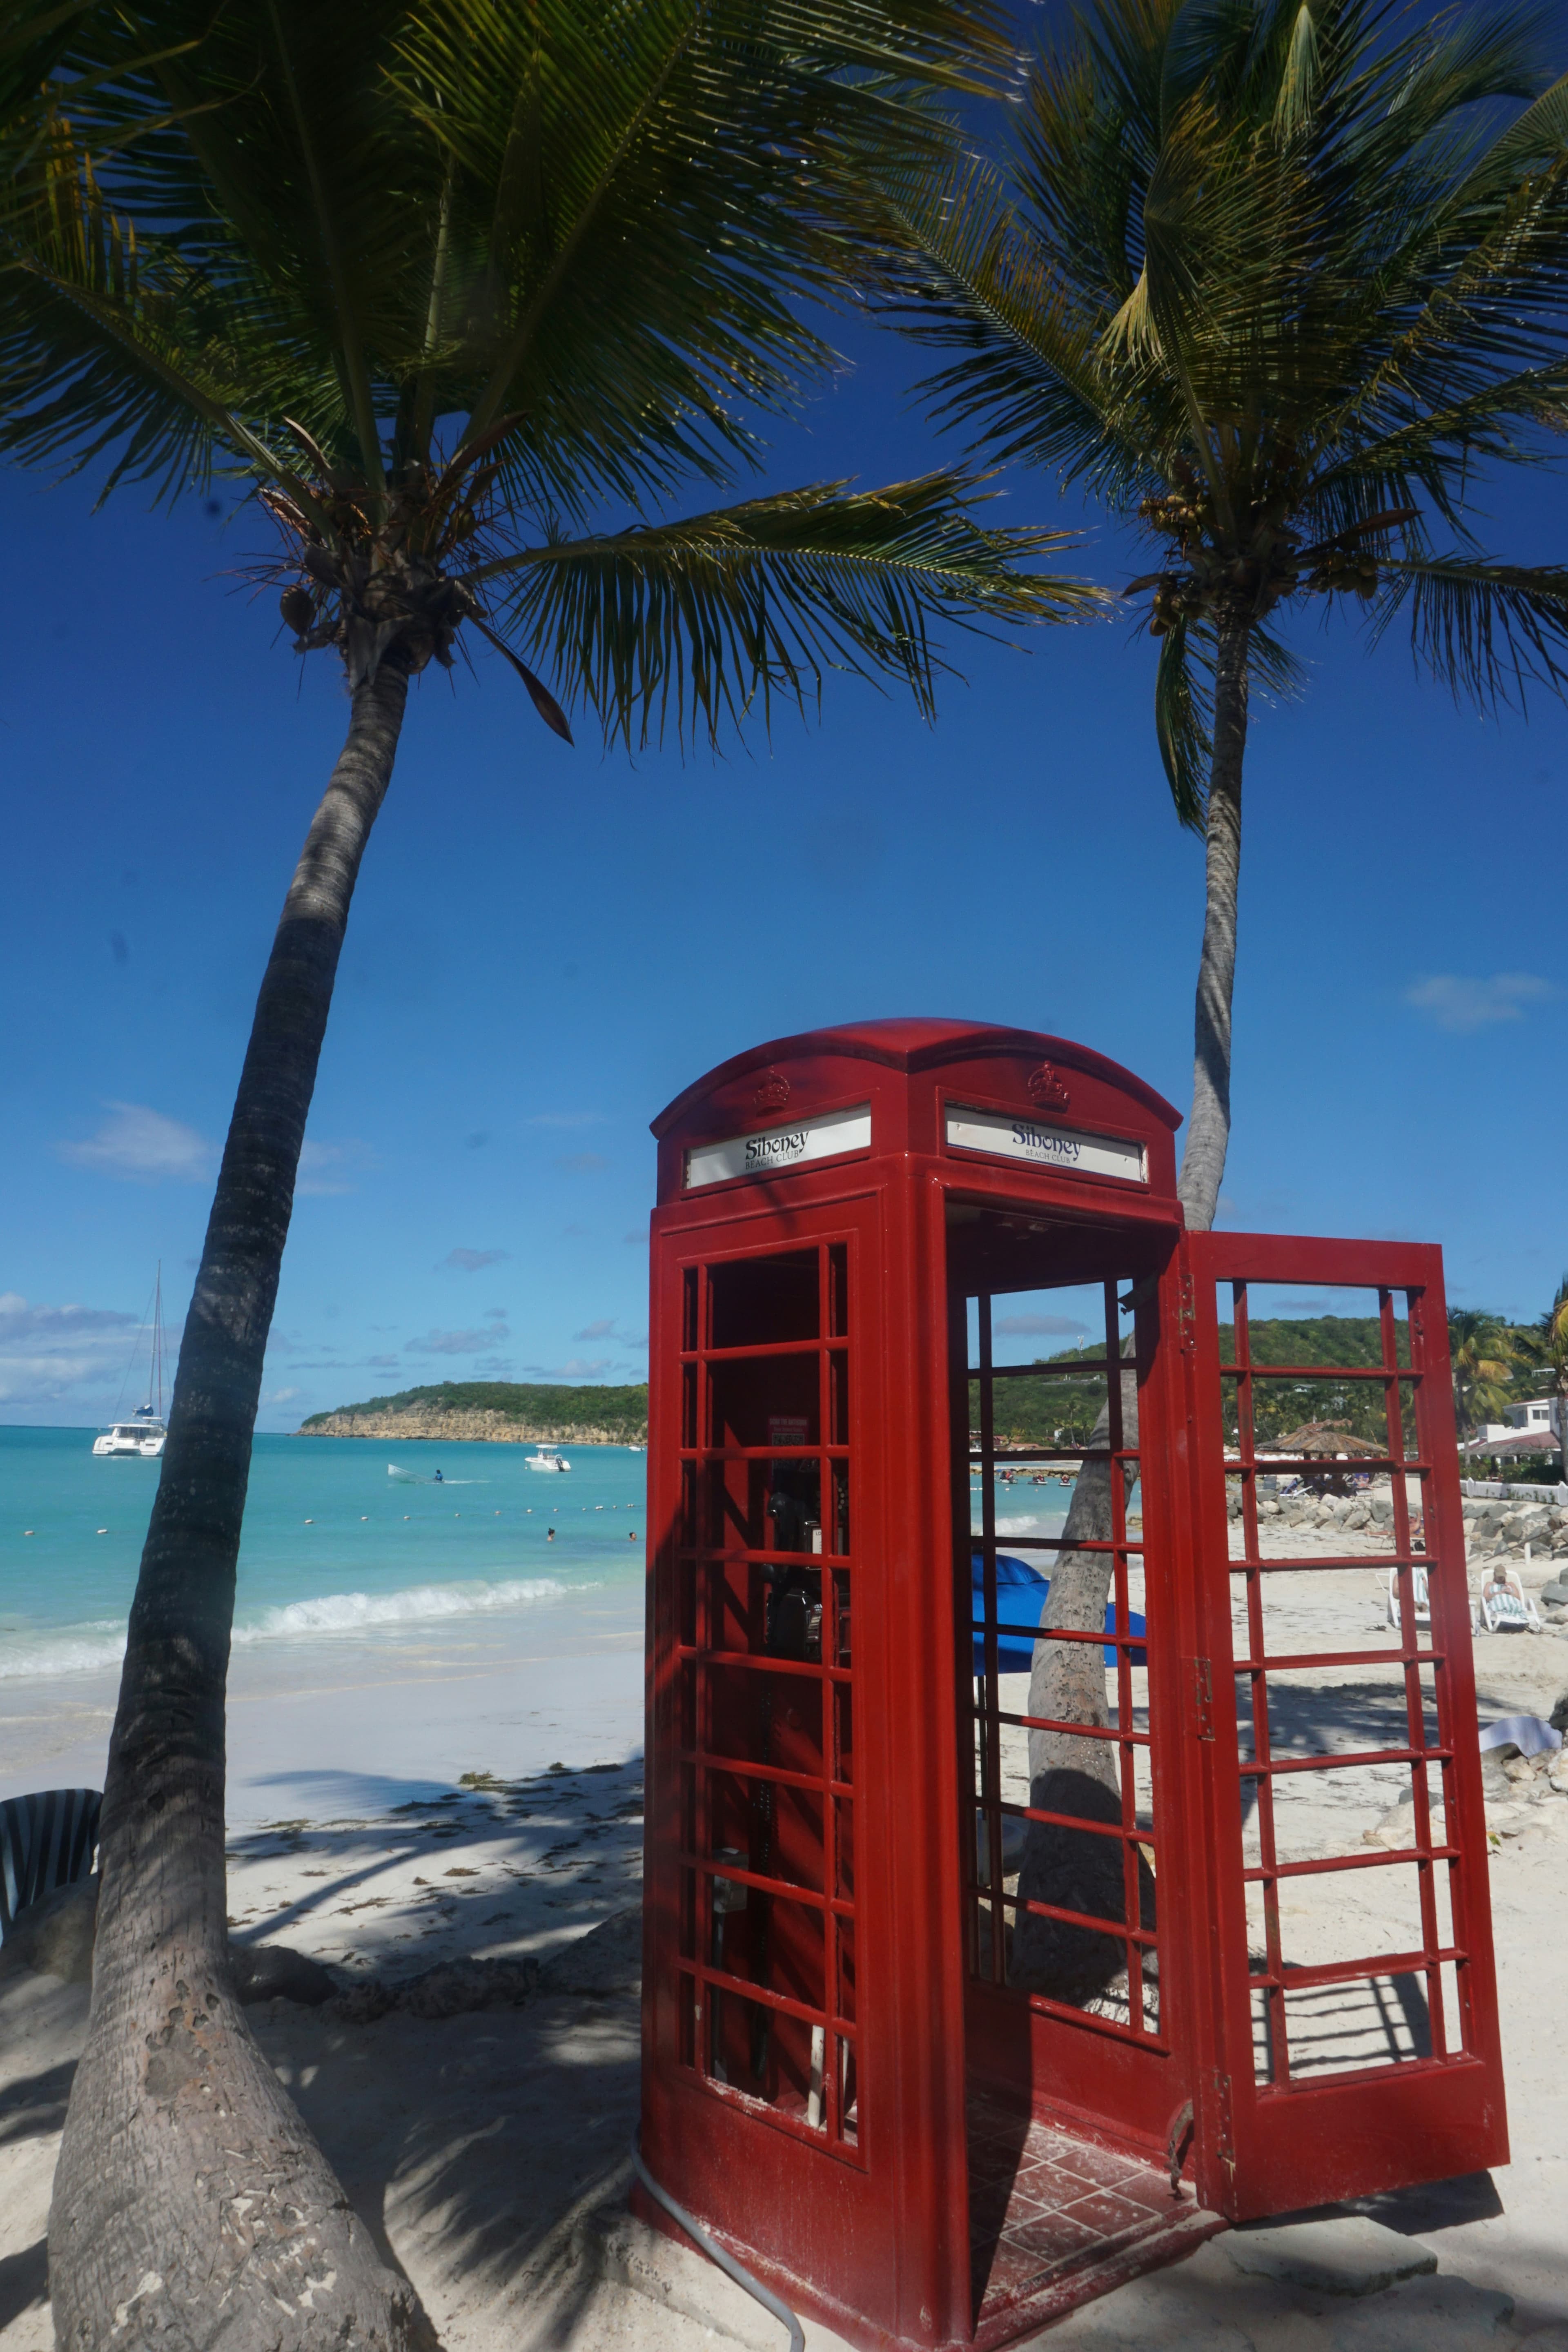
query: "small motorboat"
545, 1457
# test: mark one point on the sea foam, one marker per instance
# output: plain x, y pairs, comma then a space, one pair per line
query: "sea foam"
96, 1647
63, 1650
350, 1612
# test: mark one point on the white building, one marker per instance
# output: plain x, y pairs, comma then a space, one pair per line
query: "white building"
1538, 1416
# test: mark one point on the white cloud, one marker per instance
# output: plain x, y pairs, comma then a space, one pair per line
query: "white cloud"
1463, 1005
581, 1367
581, 1163
70, 1356
324, 1167
601, 1330
1041, 1325
282, 1396
467, 1261
381, 1363
458, 1343
145, 1147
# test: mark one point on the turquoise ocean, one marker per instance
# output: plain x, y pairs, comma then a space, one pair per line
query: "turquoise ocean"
344, 1537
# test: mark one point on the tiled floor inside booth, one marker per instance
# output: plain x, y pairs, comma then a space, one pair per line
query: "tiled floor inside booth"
1055, 2219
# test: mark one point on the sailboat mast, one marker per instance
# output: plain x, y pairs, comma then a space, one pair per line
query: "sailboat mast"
158, 1336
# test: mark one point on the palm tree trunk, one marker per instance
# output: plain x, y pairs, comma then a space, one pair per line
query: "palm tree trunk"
1073, 1869
1208, 1132
190, 2205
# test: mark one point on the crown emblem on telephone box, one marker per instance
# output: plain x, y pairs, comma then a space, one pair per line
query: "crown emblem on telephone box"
773, 1091
1045, 1087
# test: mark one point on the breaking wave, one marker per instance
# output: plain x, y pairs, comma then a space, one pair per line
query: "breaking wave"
64, 1650
97, 1646
350, 1613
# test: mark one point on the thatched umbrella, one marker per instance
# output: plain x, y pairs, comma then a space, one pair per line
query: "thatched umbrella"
1327, 1441
1330, 1438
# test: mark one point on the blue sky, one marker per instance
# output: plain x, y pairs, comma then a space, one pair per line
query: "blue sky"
548, 944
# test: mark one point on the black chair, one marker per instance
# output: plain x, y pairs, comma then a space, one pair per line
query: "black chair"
46, 1840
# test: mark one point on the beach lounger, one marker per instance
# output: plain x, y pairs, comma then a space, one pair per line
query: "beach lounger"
46, 1840
1506, 1608
1422, 1593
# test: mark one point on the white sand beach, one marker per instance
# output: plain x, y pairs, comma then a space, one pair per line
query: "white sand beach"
384, 1820
359, 1722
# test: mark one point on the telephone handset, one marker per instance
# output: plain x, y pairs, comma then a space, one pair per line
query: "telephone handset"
794, 1624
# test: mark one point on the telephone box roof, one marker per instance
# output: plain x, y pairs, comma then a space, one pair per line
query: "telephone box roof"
915, 1044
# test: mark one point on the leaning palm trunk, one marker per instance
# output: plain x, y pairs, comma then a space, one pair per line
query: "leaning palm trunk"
1208, 1132
1081, 1870
1073, 1869
191, 2206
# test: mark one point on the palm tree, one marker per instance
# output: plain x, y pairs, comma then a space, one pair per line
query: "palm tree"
33, 37
1484, 1353
1548, 1345
1276, 280
462, 290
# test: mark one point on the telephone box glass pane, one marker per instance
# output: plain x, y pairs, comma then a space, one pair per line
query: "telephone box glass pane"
755, 1302
1062, 1861
768, 1454
1348, 1868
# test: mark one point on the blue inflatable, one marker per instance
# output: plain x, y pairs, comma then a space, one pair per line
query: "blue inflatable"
1020, 1596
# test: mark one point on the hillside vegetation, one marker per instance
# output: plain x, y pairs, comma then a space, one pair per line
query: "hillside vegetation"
1030, 1410
618, 1415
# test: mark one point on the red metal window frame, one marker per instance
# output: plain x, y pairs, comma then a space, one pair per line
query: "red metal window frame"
699, 1454
984, 1718
1291, 2140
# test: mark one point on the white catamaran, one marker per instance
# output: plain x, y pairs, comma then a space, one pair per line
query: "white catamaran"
142, 1435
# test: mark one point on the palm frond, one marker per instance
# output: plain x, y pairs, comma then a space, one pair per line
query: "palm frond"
962, 271
1294, 106
1183, 719
687, 627
1486, 630
109, 346
1272, 665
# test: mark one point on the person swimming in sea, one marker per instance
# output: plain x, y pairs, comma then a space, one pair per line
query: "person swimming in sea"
440, 1481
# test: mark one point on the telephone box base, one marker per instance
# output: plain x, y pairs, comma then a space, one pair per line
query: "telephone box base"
1057, 2221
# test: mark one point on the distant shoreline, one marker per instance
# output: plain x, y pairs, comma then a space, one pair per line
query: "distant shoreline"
494, 1412
461, 1428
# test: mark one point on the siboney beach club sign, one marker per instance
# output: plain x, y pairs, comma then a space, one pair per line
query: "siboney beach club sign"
1006, 1135
779, 1148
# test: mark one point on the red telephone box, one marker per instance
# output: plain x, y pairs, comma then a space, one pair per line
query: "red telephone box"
966, 1999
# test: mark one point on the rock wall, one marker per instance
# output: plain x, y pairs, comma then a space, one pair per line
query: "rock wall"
1495, 1531
496, 1428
